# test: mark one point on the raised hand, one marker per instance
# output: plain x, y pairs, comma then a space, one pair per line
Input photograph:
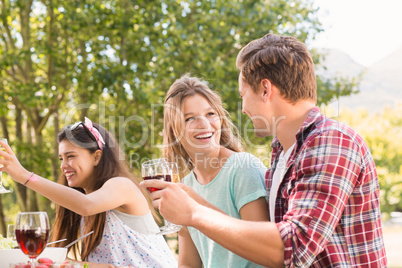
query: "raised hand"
11, 165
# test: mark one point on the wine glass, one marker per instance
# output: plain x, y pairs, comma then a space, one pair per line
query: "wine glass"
160, 169
170, 227
11, 232
32, 233
2, 189
11, 235
175, 171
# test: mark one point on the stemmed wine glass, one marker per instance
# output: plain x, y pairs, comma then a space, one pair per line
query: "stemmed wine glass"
11, 232
170, 227
32, 233
160, 169
2, 189
175, 171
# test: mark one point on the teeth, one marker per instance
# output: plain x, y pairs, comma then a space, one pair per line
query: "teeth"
69, 174
204, 136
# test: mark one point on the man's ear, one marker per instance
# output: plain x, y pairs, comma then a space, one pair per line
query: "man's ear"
97, 155
266, 89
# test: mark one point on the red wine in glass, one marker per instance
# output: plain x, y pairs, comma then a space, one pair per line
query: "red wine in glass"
163, 177
32, 233
160, 169
32, 241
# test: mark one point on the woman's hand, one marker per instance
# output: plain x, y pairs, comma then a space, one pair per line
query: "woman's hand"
11, 165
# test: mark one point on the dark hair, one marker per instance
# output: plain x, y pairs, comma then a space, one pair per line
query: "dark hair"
112, 164
283, 60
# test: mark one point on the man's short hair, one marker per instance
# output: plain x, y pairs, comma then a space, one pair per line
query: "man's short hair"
283, 60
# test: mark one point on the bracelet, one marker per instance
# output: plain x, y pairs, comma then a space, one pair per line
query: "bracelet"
30, 177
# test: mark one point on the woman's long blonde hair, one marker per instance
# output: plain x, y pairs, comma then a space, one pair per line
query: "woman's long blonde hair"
173, 131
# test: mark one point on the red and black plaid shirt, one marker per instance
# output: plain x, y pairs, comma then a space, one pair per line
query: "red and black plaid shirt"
327, 208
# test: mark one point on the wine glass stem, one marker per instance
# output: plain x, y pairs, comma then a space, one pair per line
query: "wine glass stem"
33, 262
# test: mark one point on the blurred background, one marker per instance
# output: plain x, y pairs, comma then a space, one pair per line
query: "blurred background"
113, 62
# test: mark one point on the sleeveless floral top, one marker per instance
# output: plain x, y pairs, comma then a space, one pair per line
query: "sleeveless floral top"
123, 246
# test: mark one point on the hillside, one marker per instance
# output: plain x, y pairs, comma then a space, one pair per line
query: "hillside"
381, 85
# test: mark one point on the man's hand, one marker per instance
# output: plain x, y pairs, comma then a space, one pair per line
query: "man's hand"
174, 203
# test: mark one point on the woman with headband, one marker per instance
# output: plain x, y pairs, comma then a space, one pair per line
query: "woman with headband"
96, 192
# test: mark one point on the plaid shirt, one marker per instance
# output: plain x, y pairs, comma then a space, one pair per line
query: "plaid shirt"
327, 207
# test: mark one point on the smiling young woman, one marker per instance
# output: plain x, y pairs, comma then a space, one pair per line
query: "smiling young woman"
199, 136
97, 192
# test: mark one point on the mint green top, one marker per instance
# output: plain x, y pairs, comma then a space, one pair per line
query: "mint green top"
239, 182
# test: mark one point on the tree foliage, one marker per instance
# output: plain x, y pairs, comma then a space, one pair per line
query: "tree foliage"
114, 60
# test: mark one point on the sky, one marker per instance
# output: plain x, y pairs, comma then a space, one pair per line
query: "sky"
367, 30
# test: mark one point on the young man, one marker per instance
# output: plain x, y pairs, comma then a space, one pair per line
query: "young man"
322, 185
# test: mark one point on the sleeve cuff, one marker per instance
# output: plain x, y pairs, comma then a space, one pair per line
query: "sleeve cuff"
251, 197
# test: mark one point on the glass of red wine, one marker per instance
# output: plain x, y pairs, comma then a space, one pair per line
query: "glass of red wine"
159, 169
32, 233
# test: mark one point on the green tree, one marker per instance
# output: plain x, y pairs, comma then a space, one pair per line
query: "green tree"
114, 60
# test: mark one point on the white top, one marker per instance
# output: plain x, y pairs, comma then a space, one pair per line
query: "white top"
277, 179
143, 224
122, 245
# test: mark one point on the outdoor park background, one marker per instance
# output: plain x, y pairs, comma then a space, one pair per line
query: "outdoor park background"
114, 60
